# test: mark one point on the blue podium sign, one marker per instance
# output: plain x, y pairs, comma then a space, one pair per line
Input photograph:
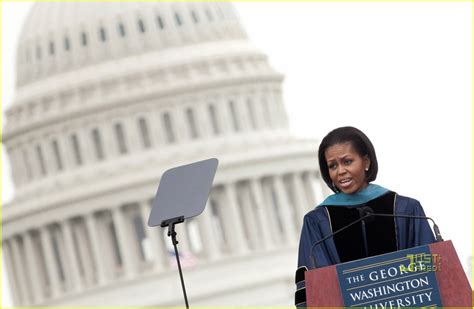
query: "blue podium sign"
404, 278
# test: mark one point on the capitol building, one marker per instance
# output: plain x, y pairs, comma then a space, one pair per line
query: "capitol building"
108, 97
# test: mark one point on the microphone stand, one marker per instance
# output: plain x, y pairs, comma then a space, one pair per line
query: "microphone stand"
171, 232
438, 236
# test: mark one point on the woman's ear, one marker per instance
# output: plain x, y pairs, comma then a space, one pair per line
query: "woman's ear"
366, 163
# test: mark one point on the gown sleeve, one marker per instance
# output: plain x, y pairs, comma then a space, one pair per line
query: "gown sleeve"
422, 233
412, 232
315, 227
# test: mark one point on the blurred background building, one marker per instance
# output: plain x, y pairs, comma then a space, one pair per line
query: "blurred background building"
109, 96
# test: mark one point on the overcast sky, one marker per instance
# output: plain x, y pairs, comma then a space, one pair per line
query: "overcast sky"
401, 72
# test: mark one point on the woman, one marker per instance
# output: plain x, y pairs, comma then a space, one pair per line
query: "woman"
348, 165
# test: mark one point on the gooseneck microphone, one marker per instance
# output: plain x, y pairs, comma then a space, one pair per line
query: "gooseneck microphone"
311, 256
366, 213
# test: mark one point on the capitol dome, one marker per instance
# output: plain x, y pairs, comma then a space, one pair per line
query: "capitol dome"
109, 96
57, 38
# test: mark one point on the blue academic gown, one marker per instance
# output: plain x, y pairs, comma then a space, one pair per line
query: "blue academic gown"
316, 225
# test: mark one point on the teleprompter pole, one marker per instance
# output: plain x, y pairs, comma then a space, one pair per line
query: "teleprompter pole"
172, 233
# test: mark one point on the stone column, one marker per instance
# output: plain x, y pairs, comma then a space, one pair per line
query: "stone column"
12, 274
209, 242
51, 266
300, 198
310, 194
203, 120
160, 256
132, 135
66, 151
93, 231
33, 267
34, 163
20, 267
249, 214
180, 124
86, 145
284, 210
264, 215
72, 265
320, 187
183, 238
267, 115
255, 101
109, 139
18, 173
85, 251
273, 108
128, 249
242, 114
234, 227
50, 157
156, 128
223, 115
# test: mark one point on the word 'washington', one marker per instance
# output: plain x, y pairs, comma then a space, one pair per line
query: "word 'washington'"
397, 287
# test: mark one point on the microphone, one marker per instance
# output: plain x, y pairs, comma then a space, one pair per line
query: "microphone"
367, 212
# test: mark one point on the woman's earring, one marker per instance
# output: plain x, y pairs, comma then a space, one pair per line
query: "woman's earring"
366, 169
334, 187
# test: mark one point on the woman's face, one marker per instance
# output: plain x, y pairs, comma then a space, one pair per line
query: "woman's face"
346, 167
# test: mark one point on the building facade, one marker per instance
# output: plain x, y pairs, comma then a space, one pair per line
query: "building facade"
109, 96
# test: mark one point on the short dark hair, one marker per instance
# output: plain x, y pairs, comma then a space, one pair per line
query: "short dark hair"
359, 141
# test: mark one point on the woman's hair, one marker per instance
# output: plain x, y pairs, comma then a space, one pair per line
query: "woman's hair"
359, 141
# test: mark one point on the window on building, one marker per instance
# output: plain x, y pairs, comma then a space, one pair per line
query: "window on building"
41, 162
76, 149
51, 48
66, 44
121, 29
83, 39
57, 155
26, 160
213, 116
220, 11
141, 26
119, 134
233, 114
38, 52
27, 54
97, 138
194, 17
160, 22
102, 34
209, 14
267, 113
177, 19
193, 132
144, 132
253, 121
168, 126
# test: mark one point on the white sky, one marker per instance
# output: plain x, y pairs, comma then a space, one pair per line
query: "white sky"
401, 72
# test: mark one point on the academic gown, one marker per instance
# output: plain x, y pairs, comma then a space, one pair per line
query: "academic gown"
383, 234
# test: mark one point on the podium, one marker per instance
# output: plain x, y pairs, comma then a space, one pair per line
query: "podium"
323, 288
